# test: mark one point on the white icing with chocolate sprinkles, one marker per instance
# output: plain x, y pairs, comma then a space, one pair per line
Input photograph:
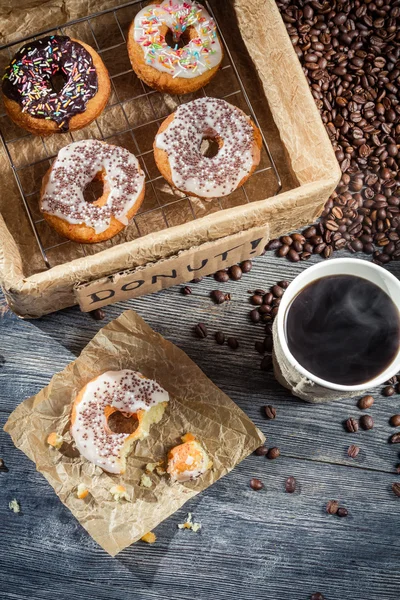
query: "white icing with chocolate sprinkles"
209, 118
75, 167
127, 391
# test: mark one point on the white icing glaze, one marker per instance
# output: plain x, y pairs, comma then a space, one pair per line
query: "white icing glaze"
198, 56
127, 391
75, 167
208, 118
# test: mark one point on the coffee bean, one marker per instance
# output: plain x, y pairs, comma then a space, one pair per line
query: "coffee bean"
218, 297
388, 390
3, 468
273, 244
395, 421
261, 451
351, 425
232, 343
395, 438
317, 595
219, 337
284, 284
255, 316
221, 276
286, 240
398, 469
246, 266
365, 402
235, 272
270, 411
366, 422
353, 451
268, 343
265, 309
98, 314
290, 485
342, 512
197, 280
293, 255
259, 346
201, 330
256, 484
273, 453
266, 363
186, 291
332, 507
396, 489
268, 298
277, 291
256, 300
283, 250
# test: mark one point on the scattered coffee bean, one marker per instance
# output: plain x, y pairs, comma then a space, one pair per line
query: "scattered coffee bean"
256, 299
366, 422
221, 276
232, 343
268, 343
218, 297
396, 489
235, 272
353, 451
255, 316
3, 467
246, 266
277, 291
220, 337
186, 291
284, 284
273, 453
290, 485
317, 595
365, 402
388, 390
395, 438
98, 314
201, 330
266, 363
351, 425
342, 512
268, 298
332, 507
256, 484
398, 469
259, 346
197, 280
270, 411
395, 421
261, 451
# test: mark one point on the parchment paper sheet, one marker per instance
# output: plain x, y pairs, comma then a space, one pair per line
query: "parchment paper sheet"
196, 405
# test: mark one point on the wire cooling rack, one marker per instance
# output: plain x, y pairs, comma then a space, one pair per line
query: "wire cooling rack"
131, 119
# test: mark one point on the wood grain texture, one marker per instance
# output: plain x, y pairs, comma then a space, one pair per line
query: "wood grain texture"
265, 545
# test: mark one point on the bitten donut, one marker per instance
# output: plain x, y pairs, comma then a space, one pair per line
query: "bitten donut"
62, 201
177, 148
29, 98
126, 391
169, 68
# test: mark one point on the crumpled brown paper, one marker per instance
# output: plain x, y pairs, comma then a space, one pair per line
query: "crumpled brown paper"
196, 405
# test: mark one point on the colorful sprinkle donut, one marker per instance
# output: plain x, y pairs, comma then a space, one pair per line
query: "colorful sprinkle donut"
62, 199
29, 98
127, 392
178, 143
169, 68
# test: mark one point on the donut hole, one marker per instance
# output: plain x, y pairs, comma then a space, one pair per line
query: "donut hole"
94, 190
120, 423
182, 40
210, 146
57, 82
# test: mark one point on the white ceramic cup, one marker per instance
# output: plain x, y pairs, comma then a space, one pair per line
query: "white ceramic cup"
339, 266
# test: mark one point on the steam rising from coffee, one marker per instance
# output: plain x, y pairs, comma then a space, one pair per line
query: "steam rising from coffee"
343, 329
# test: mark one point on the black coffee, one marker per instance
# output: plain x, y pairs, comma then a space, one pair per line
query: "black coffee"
343, 329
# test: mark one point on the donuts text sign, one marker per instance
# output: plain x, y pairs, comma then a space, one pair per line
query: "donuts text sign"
187, 265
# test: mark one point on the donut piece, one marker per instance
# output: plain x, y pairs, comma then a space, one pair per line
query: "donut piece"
62, 201
178, 143
169, 68
29, 98
188, 460
126, 391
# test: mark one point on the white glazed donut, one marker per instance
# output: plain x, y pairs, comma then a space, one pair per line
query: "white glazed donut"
168, 67
126, 391
62, 201
177, 148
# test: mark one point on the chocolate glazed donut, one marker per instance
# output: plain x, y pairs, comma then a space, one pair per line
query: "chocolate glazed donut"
32, 102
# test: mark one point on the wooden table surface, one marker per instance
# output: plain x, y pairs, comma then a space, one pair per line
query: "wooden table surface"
266, 545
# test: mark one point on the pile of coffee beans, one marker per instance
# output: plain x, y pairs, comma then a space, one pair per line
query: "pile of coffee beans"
350, 54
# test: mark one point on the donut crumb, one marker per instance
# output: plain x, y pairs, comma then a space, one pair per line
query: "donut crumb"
119, 493
81, 491
149, 537
14, 505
